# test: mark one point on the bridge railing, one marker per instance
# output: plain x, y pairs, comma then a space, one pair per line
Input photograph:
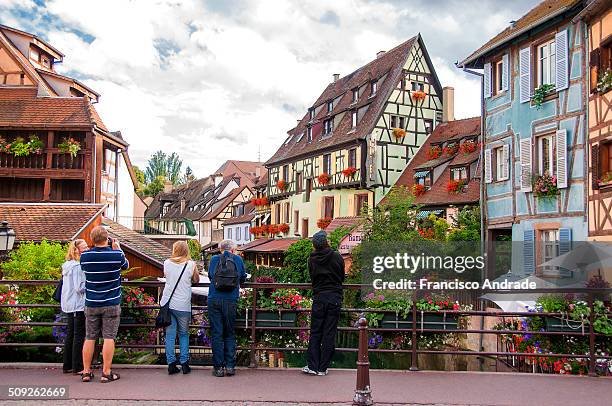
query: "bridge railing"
414, 327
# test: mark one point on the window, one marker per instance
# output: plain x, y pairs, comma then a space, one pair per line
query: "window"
304, 228
309, 134
296, 221
423, 178
428, 126
246, 232
328, 126
416, 86
354, 118
546, 162
330, 106
277, 213
238, 210
34, 55
229, 233
238, 233
500, 164
497, 76
328, 206
355, 95
165, 207
546, 63
311, 111
361, 203
550, 245
398, 121
298, 182
600, 60
352, 157
327, 163
308, 190
459, 173
286, 213
373, 88
286, 173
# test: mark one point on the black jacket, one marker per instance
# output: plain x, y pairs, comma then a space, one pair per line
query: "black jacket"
326, 268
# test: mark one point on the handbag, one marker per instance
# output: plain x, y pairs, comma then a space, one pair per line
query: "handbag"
163, 318
57, 293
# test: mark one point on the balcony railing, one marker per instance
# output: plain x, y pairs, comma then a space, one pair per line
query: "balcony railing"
59, 160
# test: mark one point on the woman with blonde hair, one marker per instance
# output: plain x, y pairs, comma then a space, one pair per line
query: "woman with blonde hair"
180, 273
73, 305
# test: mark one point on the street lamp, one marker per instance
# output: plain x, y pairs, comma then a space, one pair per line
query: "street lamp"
7, 239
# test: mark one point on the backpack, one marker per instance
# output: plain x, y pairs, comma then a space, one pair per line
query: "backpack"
226, 275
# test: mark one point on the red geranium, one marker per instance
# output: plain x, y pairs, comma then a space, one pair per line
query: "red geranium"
282, 185
434, 152
283, 228
418, 189
349, 172
324, 178
322, 223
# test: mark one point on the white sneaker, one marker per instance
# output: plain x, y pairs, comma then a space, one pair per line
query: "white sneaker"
308, 371
322, 373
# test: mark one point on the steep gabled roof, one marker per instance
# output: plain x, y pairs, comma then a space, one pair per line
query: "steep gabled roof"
139, 245
438, 194
386, 69
249, 171
541, 13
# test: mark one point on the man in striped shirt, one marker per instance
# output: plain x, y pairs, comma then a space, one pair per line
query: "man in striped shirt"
102, 266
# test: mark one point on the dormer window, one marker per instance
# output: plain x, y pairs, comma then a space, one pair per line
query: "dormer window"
328, 126
330, 106
459, 173
311, 111
34, 55
354, 118
165, 208
355, 94
309, 134
373, 88
423, 178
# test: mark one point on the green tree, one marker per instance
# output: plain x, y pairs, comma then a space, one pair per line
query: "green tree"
188, 176
466, 225
140, 178
168, 166
156, 186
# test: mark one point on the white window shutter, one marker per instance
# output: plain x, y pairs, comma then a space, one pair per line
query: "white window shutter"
525, 146
488, 175
505, 71
506, 166
561, 158
525, 74
562, 60
487, 80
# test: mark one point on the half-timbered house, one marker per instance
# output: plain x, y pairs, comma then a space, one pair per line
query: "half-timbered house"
534, 134
355, 140
54, 147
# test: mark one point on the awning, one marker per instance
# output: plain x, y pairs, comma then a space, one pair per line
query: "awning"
425, 213
191, 231
421, 174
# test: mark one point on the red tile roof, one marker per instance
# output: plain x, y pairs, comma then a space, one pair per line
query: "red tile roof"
349, 222
536, 16
386, 69
245, 218
272, 245
48, 221
139, 245
438, 194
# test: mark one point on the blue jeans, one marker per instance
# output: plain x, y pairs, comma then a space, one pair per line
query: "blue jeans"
222, 316
180, 322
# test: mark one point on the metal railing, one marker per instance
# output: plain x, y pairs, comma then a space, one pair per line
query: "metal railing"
415, 325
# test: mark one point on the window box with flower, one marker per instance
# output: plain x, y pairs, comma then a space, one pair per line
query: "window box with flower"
418, 95
468, 147
324, 178
545, 186
434, 152
349, 172
69, 146
604, 82
418, 189
399, 133
605, 180
322, 223
450, 150
282, 185
456, 186
276, 307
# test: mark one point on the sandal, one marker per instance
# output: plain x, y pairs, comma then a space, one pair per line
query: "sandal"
87, 376
110, 377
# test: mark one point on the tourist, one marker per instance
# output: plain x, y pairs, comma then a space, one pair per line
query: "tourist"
326, 269
226, 272
180, 273
102, 265
73, 305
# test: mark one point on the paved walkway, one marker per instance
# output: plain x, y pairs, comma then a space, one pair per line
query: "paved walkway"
290, 387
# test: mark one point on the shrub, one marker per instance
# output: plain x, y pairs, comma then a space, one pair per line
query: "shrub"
195, 250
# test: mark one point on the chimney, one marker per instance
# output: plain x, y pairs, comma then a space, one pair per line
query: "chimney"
336, 77
182, 205
167, 187
380, 53
258, 171
218, 179
448, 105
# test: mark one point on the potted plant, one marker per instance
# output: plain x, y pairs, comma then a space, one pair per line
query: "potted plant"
418, 189
456, 186
399, 133
540, 94
276, 307
418, 95
283, 228
434, 152
282, 185
322, 223
324, 178
349, 172
69, 146
20, 147
605, 81
545, 186
36, 145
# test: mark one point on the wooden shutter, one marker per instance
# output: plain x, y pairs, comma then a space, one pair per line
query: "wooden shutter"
529, 251
525, 74
565, 240
562, 158
487, 80
595, 165
525, 148
506, 158
562, 60
594, 62
505, 71
488, 175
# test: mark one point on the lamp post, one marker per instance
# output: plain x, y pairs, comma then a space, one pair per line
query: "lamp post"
7, 239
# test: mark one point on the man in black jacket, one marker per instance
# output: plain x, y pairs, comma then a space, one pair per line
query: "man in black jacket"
326, 268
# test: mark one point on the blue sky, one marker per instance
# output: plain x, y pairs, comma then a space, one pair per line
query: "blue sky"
225, 79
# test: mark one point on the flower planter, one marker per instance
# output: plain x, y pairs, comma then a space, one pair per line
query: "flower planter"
267, 318
440, 321
559, 324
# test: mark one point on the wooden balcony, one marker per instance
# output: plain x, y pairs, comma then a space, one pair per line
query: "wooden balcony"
50, 163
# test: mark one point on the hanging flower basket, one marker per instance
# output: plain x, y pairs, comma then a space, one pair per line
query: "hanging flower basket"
322, 223
468, 147
545, 186
349, 172
324, 178
283, 228
434, 153
399, 133
456, 186
418, 95
282, 185
69, 146
418, 189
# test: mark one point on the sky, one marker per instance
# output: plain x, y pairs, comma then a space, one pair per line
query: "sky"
226, 79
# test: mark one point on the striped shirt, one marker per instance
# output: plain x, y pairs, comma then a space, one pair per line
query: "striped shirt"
102, 267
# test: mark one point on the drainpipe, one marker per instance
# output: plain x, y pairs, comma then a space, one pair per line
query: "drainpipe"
116, 202
483, 239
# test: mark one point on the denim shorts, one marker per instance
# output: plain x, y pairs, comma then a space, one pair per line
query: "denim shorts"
102, 321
